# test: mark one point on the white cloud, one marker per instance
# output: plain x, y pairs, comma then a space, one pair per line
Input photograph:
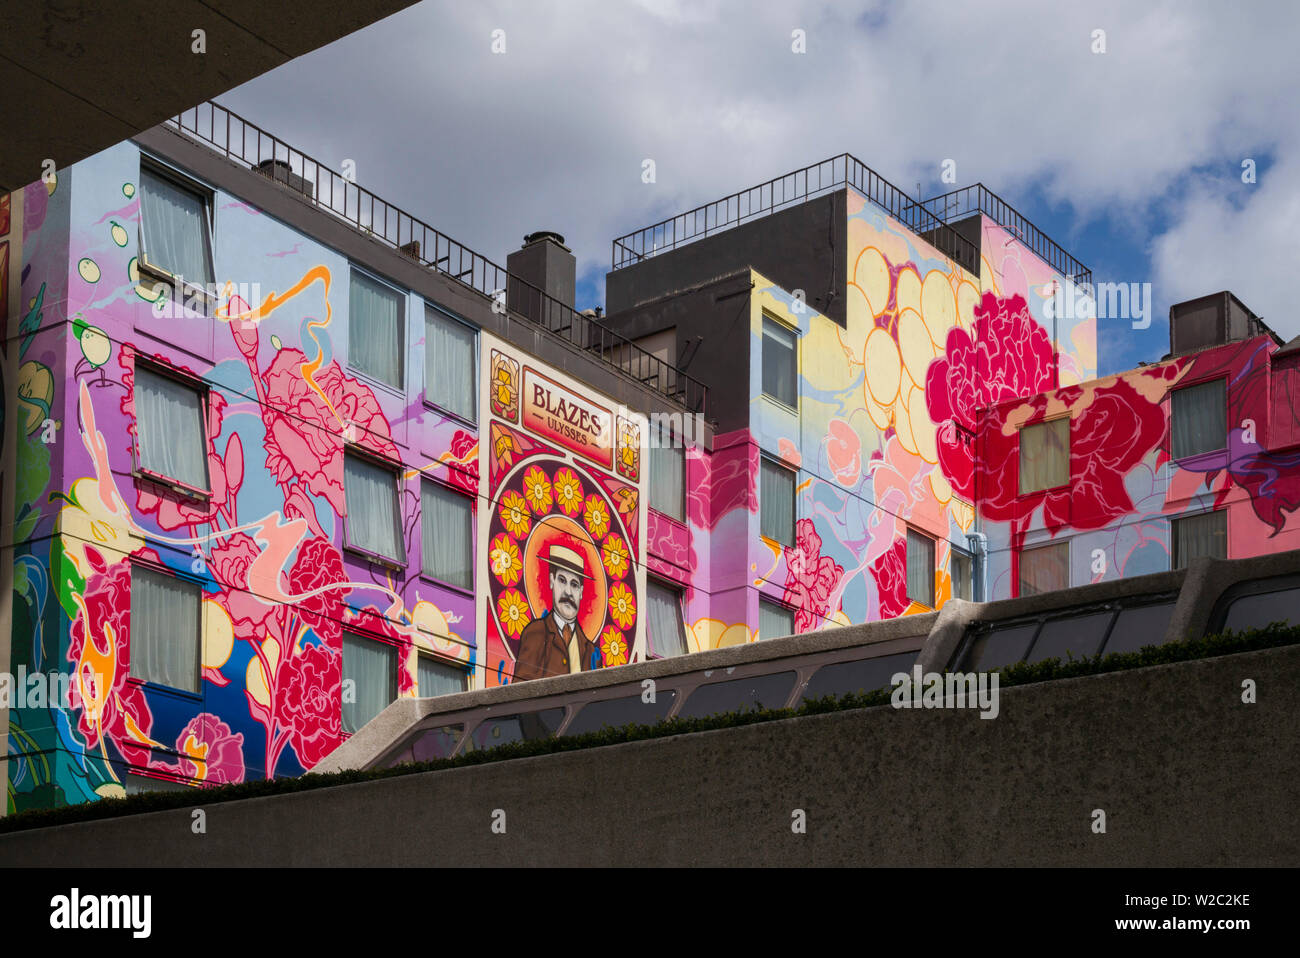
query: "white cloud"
552, 134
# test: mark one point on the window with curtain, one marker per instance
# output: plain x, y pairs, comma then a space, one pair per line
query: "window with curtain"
1045, 455
962, 572
667, 473
165, 629
449, 364
667, 631
1198, 419
169, 424
1203, 535
371, 667
920, 568
174, 221
776, 502
374, 518
774, 621
376, 314
446, 534
780, 367
1045, 569
440, 678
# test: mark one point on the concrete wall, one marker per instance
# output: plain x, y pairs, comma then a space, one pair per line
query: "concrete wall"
798, 248
1186, 774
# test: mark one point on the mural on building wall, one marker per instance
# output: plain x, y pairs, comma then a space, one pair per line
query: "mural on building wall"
1124, 488
564, 559
883, 438
266, 546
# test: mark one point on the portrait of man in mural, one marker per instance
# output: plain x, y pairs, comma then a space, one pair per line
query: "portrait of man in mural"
554, 643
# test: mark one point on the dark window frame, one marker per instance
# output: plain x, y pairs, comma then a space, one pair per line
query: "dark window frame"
794, 498
190, 381
429, 307
473, 543
794, 360
192, 291
395, 468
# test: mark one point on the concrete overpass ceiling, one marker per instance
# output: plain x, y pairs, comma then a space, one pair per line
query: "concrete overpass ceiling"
79, 76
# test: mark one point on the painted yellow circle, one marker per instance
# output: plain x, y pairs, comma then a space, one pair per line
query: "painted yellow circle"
89, 270
938, 306
968, 297
922, 427
909, 290
879, 414
119, 235
942, 488
128, 189
95, 345
903, 423
872, 277
884, 368
218, 635
915, 344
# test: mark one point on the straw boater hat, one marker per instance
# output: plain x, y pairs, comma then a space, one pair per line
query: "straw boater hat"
562, 557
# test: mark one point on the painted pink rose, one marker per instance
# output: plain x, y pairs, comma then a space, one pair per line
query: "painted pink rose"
890, 573
464, 476
306, 427
229, 563
307, 703
210, 752
100, 649
1006, 355
810, 578
319, 563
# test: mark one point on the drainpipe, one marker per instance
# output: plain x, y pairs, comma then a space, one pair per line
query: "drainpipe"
979, 548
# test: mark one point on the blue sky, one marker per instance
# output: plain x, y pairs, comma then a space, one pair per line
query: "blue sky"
1129, 158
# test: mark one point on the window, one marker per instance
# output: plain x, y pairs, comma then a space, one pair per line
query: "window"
373, 519
920, 568
169, 422
447, 535
165, 629
961, 568
1203, 535
1045, 569
371, 668
776, 502
667, 632
1198, 419
780, 369
440, 678
376, 315
1045, 455
774, 621
667, 473
174, 229
449, 365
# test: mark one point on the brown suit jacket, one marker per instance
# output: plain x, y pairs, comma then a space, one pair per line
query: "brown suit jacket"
543, 651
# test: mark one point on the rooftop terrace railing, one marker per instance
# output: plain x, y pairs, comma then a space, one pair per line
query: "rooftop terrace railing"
787, 190
980, 199
252, 147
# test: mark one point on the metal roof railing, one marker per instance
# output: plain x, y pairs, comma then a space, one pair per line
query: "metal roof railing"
252, 147
789, 189
979, 198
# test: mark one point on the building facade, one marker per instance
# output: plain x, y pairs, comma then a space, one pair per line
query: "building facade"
277, 453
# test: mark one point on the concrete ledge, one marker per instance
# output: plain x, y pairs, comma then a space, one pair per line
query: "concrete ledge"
1186, 774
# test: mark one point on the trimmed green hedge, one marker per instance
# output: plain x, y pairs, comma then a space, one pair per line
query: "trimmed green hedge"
1228, 643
